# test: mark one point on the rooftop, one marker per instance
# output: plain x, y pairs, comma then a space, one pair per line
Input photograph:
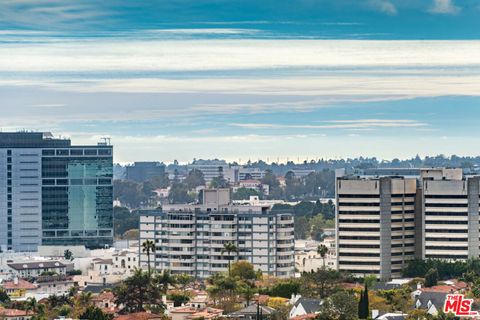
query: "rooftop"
36, 265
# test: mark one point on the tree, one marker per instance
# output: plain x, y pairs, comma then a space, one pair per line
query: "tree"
370, 280
363, 305
245, 194
148, 247
95, 313
243, 270
284, 288
128, 192
183, 280
178, 298
68, 255
229, 248
164, 280
321, 283
339, 306
194, 179
124, 220
431, 277
322, 250
4, 297
138, 292
179, 193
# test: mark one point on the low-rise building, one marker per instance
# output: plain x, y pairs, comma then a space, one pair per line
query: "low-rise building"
35, 269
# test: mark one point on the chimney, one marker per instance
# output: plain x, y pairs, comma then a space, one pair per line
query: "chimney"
15, 280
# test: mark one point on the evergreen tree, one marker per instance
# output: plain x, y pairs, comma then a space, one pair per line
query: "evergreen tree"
363, 305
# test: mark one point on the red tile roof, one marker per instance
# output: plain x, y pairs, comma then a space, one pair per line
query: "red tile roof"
22, 284
305, 317
107, 295
14, 313
139, 316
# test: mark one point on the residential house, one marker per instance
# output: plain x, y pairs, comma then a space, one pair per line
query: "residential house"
250, 312
15, 314
303, 306
18, 288
35, 269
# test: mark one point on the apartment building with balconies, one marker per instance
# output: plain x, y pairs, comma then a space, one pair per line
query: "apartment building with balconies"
189, 238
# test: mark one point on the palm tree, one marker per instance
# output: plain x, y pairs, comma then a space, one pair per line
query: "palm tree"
148, 247
31, 305
228, 248
322, 250
165, 279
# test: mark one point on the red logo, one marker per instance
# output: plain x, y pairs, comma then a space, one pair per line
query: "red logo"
459, 306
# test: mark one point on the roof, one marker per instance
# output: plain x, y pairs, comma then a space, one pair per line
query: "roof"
36, 265
97, 288
310, 305
103, 261
14, 313
437, 298
307, 316
207, 313
106, 295
391, 316
184, 309
252, 310
386, 286
21, 284
139, 316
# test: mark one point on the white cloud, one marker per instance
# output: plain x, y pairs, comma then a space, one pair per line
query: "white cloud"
384, 6
444, 7
339, 124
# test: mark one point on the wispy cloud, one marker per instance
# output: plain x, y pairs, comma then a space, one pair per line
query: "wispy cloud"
384, 6
444, 7
339, 124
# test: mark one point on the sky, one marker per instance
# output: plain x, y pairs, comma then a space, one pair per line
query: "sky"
244, 80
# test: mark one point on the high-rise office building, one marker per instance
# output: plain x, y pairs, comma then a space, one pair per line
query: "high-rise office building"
53, 193
375, 225
143, 171
384, 221
190, 238
450, 213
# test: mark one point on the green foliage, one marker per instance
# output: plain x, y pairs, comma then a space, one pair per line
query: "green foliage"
398, 299
75, 272
321, 283
431, 277
445, 269
178, 298
370, 280
243, 270
124, 220
4, 298
94, 313
183, 280
363, 304
245, 193
179, 193
194, 179
68, 255
275, 191
138, 291
340, 305
285, 288
129, 193
310, 218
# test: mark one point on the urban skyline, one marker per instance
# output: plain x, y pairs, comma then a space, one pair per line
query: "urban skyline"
326, 79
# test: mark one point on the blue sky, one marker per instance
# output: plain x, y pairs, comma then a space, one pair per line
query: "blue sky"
243, 80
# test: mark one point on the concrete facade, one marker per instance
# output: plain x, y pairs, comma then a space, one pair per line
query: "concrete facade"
190, 238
